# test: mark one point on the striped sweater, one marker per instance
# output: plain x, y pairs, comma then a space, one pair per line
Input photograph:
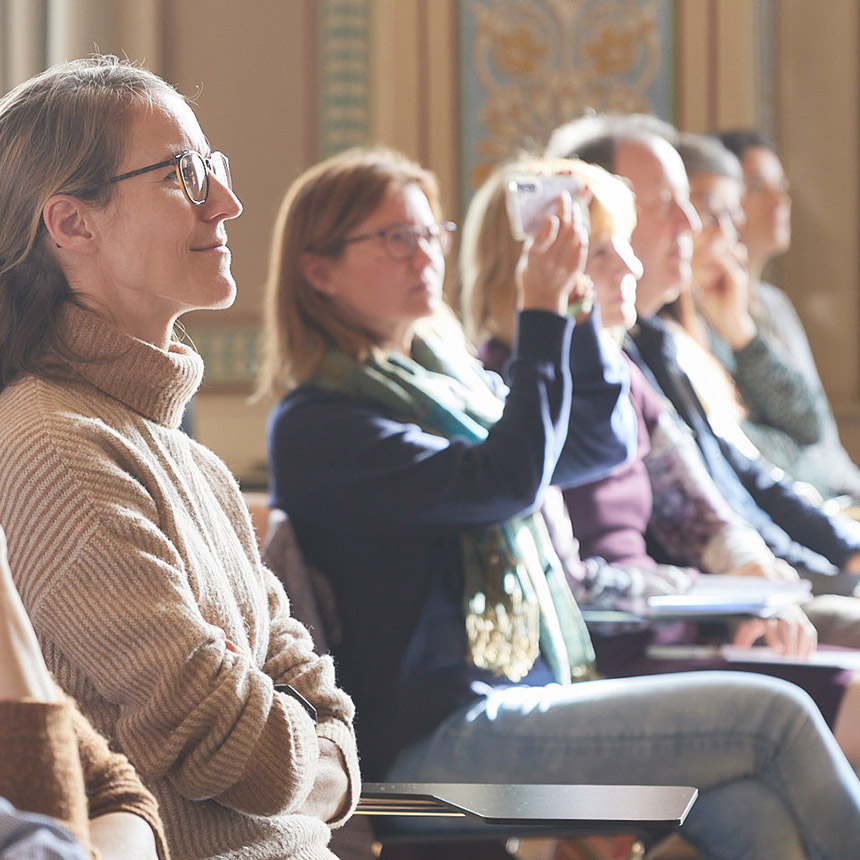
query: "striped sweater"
135, 557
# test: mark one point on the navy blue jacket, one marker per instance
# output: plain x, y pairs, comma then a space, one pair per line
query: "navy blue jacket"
377, 506
794, 529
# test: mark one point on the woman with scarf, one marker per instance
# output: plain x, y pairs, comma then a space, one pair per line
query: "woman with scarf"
411, 476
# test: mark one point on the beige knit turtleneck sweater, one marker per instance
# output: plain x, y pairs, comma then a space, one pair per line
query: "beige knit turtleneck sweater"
135, 557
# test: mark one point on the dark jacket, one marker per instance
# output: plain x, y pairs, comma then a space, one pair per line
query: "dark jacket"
794, 529
378, 506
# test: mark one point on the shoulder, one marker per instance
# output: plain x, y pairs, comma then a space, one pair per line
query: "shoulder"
309, 415
774, 302
66, 423
772, 294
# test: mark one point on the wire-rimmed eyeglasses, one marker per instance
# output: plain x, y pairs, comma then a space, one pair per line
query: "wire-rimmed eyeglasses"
193, 170
401, 240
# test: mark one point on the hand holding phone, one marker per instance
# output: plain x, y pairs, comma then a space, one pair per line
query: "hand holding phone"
530, 199
550, 269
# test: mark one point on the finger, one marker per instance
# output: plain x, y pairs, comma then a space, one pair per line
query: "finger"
748, 632
777, 635
546, 234
785, 572
565, 207
810, 636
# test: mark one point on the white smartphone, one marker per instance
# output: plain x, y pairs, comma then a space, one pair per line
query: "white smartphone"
530, 198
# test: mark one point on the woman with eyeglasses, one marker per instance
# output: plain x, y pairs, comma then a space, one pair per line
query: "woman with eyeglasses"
409, 474
747, 385
131, 545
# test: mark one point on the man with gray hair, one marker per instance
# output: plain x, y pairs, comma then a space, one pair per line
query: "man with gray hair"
641, 149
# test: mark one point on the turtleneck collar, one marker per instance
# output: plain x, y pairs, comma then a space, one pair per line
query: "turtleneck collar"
155, 383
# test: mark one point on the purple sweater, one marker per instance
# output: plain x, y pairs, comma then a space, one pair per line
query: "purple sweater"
610, 516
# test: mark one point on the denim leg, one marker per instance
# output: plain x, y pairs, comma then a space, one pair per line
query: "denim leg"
769, 773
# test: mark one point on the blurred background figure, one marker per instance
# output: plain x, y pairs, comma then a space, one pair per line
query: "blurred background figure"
766, 233
740, 377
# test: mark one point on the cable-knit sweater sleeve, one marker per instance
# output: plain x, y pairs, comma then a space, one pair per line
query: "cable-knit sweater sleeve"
286, 663
39, 766
112, 784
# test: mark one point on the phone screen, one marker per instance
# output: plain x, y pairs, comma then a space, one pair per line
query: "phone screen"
530, 198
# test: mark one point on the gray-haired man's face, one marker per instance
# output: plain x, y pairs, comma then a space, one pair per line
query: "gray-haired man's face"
666, 220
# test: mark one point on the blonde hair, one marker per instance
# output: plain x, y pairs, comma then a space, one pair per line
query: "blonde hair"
61, 132
489, 253
318, 212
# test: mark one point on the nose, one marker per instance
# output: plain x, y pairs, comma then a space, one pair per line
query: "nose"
221, 204
626, 261
686, 217
425, 251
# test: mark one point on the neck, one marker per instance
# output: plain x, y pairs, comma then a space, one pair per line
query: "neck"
689, 320
399, 341
756, 267
137, 320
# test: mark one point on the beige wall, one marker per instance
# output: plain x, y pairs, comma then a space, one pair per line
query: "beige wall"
819, 128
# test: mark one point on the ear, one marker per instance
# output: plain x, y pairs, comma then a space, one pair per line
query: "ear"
317, 272
68, 222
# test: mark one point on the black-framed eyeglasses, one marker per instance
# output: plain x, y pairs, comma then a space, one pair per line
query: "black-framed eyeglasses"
401, 240
193, 170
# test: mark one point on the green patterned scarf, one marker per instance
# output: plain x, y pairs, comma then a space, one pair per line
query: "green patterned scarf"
516, 598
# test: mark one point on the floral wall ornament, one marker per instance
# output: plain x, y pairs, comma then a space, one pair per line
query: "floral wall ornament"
529, 65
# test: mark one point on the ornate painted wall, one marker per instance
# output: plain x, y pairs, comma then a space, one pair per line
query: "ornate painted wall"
527, 67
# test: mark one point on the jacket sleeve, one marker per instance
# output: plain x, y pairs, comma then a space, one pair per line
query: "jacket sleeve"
777, 394
602, 430
337, 458
835, 538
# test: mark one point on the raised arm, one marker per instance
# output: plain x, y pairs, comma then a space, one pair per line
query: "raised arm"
337, 458
774, 392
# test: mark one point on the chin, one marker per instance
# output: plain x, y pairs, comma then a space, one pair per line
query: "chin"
225, 296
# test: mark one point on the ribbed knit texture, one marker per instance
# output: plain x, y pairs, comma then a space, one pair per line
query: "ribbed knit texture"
54, 762
39, 768
134, 554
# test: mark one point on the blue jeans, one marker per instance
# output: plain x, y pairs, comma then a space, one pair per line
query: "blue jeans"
773, 784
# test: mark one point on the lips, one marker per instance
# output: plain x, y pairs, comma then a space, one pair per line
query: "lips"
214, 245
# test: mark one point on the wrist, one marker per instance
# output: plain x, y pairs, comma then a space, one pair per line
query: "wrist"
738, 336
550, 304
